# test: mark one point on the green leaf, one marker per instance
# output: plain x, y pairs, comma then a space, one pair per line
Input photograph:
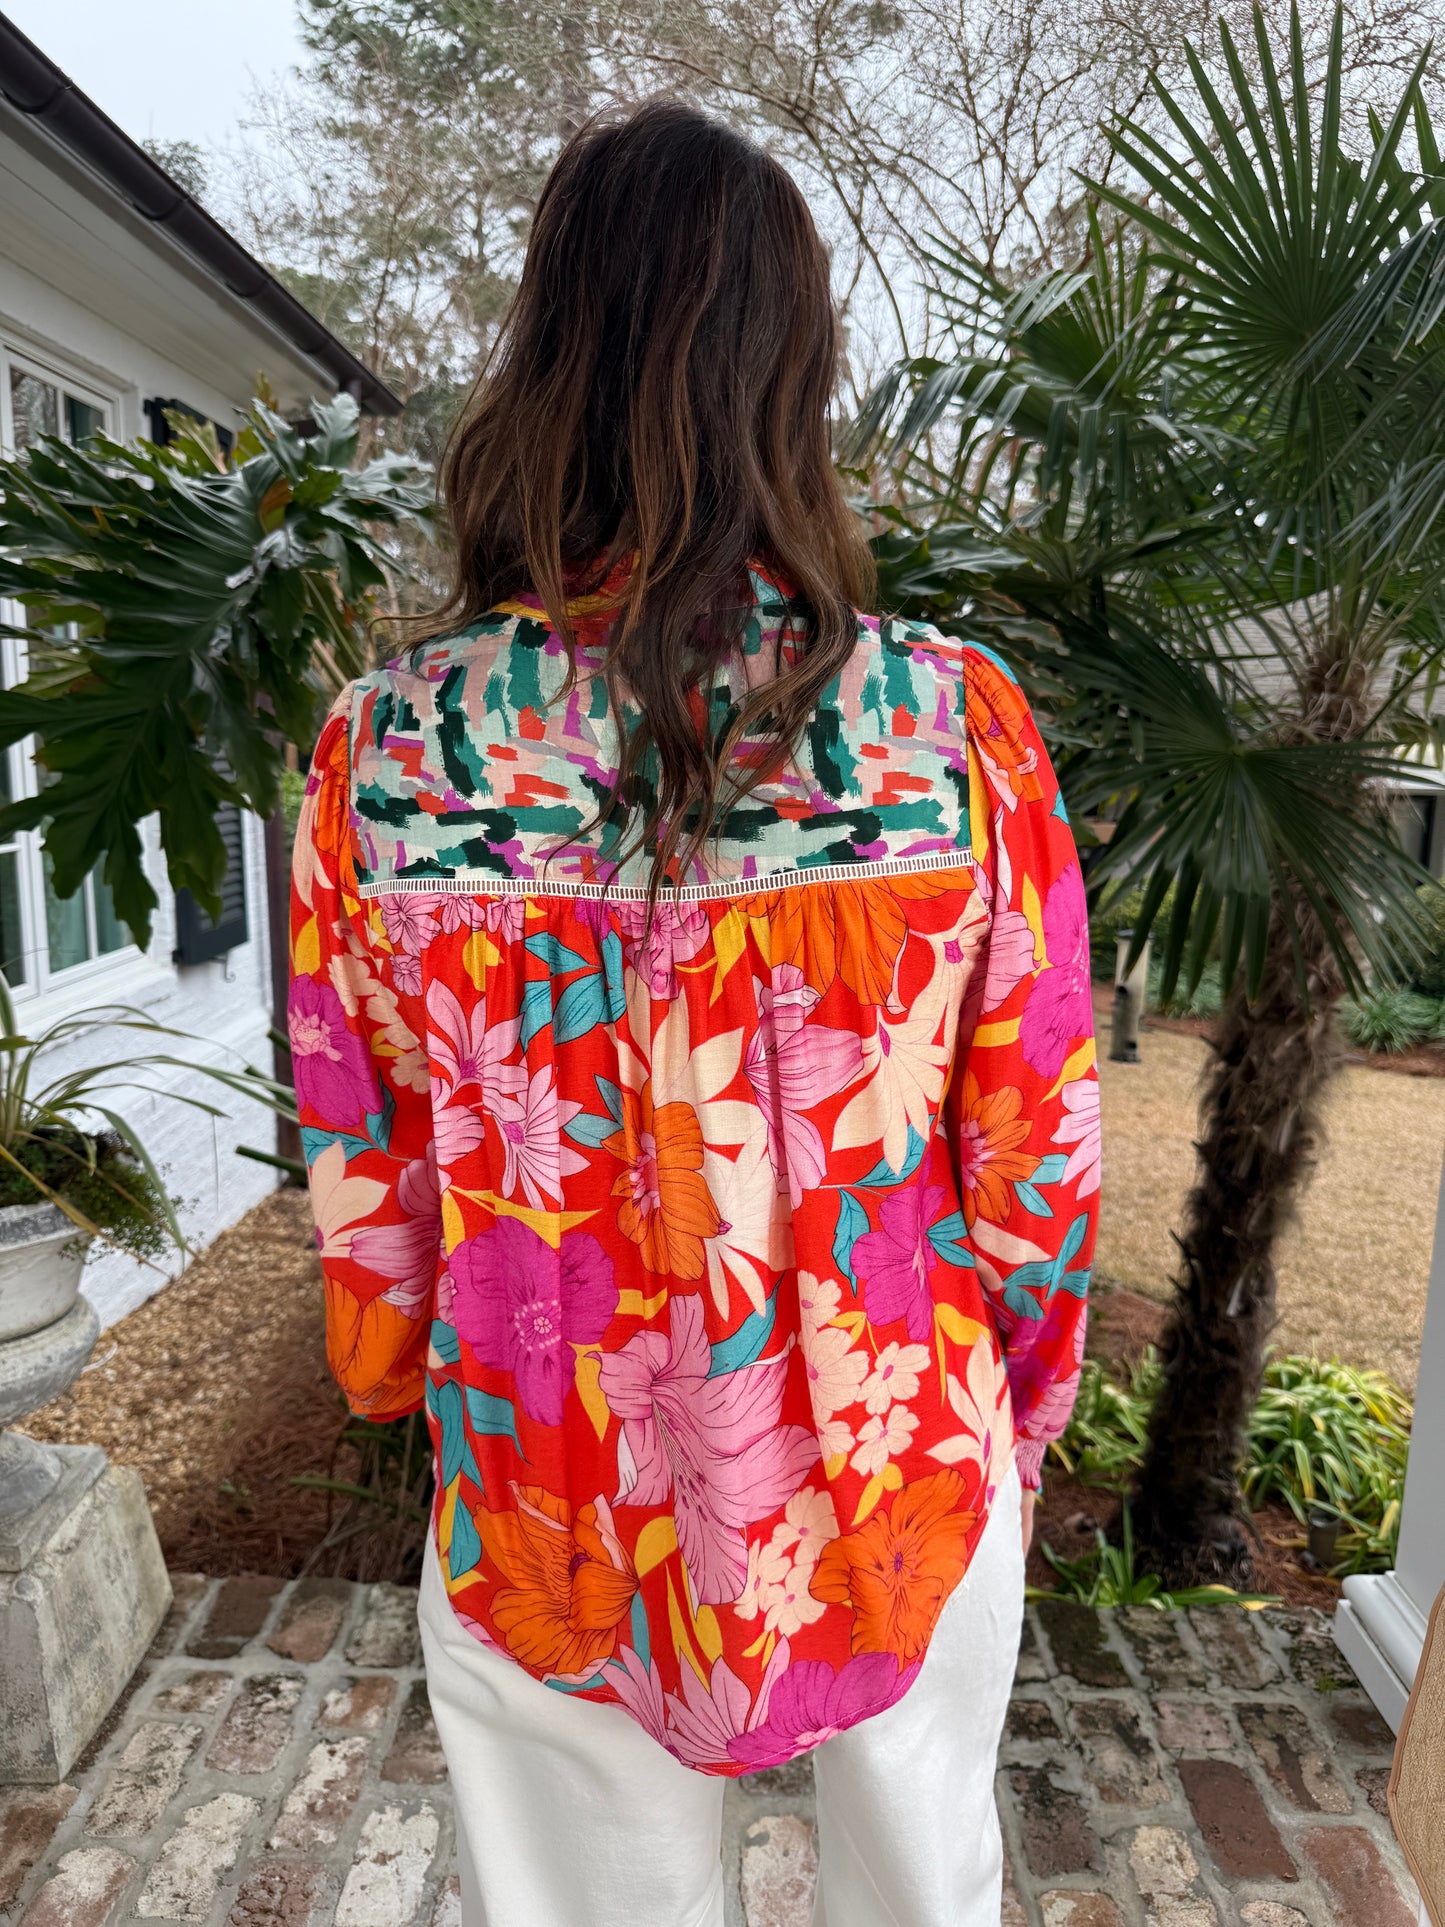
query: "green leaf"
852, 1223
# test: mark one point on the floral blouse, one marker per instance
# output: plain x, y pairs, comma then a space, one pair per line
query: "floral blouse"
733, 1254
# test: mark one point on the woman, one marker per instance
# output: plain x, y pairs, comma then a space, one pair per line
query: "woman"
691, 1026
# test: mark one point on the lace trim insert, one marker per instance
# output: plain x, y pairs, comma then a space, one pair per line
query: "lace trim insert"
485, 883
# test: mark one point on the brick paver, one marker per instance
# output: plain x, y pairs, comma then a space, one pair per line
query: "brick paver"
276, 1765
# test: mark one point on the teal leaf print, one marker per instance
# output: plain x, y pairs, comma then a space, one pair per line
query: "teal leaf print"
1020, 1302
1073, 1238
745, 1347
883, 1173
590, 1130
947, 1236
641, 1643
493, 1416
612, 976
582, 1006
536, 1008
466, 1551
315, 1140
455, 1454
577, 1686
852, 1223
378, 1123
557, 957
1050, 1169
610, 1095
1032, 1199
445, 1343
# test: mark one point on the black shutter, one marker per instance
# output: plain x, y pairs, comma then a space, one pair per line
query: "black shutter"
198, 939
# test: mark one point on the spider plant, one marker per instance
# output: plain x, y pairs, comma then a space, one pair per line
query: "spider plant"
63, 1139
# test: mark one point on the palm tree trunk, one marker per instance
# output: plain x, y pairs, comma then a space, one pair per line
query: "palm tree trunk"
1259, 1132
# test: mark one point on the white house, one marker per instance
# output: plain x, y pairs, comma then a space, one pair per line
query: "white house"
121, 297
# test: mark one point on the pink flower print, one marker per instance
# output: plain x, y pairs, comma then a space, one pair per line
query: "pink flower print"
531, 1126
1060, 1010
1010, 956
521, 1307
896, 1261
465, 1051
408, 923
639, 1688
335, 1078
882, 1439
895, 1375
791, 1066
406, 973
457, 1130
507, 918
715, 1446
811, 1703
678, 932
461, 913
705, 1720
407, 1252
1049, 1417
1082, 1127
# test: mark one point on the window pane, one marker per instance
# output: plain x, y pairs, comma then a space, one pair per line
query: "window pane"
110, 932
65, 925
34, 407
12, 952
82, 420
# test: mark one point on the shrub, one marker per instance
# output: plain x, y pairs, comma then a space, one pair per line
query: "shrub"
1109, 1576
1205, 1000
1429, 978
1323, 1435
1389, 1020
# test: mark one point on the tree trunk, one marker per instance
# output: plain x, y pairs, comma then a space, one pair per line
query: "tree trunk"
1259, 1131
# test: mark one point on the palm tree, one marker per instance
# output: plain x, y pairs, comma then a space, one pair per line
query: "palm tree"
1193, 486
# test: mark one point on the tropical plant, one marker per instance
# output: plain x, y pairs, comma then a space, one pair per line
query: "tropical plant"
1322, 1435
1390, 1020
62, 1137
1429, 974
186, 614
1327, 1436
1193, 487
1110, 1575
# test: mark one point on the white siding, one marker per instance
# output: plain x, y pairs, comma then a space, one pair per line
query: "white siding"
108, 300
225, 1009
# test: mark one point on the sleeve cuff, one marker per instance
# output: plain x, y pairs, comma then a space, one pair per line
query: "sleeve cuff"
1029, 1458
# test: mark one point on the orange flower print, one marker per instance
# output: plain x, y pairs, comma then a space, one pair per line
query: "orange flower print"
666, 1207
997, 718
898, 1569
854, 932
571, 1581
990, 1131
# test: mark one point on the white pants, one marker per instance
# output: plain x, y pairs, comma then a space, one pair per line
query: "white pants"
570, 1815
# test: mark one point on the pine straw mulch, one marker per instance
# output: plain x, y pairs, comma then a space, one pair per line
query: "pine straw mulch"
217, 1391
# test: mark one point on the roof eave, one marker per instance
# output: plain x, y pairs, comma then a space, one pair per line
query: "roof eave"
37, 88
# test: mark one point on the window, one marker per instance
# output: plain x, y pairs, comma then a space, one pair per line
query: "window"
198, 938
41, 934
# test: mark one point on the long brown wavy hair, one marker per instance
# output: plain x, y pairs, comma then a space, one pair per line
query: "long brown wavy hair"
658, 398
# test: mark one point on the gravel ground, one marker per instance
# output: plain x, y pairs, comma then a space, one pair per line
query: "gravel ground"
1355, 1269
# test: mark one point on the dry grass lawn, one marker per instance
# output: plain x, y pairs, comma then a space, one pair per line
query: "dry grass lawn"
1355, 1268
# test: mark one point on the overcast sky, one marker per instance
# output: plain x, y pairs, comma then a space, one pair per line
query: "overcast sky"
165, 69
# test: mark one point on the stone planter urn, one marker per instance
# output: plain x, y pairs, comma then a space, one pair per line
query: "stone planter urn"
83, 1586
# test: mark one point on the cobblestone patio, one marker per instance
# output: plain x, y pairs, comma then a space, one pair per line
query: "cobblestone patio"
275, 1765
